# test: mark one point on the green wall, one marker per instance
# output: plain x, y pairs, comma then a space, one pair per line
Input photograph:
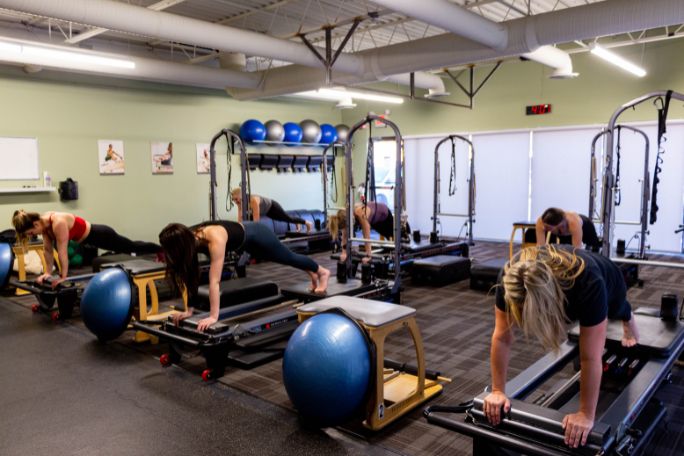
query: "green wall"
69, 118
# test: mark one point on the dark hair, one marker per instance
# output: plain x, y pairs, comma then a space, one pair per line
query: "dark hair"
180, 250
553, 216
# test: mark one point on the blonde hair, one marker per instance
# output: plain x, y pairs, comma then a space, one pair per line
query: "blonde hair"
533, 283
22, 222
337, 222
237, 191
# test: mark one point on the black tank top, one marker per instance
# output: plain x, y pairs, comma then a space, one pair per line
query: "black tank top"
235, 230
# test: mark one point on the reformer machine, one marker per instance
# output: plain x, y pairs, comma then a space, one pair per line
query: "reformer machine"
391, 257
255, 320
626, 414
436, 206
662, 102
645, 185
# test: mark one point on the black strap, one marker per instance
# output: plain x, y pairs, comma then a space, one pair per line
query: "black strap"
662, 129
370, 193
452, 174
618, 192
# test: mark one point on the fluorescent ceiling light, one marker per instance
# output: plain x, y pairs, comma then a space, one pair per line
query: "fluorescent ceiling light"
616, 60
341, 94
49, 56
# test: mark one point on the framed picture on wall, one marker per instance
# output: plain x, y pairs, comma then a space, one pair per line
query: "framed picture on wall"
110, 156
202, 158
162, 157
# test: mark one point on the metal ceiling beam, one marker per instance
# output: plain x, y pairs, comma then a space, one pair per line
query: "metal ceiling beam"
159, 6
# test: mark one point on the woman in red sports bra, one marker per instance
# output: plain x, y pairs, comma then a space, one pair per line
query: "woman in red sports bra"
58, 228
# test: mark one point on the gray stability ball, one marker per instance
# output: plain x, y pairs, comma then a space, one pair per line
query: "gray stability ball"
274, 131
342, 132
312, 131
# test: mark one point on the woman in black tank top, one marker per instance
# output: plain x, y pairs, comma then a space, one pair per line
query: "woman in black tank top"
568, 227
181, 245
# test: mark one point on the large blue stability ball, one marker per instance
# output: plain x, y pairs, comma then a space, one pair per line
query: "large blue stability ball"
327, 369
328, 134
274, 131
107, 304
293, 132
252, 130
342, 132
311, 131
6, 263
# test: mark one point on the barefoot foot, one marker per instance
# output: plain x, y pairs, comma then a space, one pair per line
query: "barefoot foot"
630, 333
323, 276
314, 282
309, 226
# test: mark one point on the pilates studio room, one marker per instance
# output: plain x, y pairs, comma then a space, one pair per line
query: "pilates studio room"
349, 227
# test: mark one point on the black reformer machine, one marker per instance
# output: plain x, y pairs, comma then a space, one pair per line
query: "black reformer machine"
255, 320
389, 258
626, 414
60, 302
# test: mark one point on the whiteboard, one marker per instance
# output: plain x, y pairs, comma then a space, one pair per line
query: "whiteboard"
18, 158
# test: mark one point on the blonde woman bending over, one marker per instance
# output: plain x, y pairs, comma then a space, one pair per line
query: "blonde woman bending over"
544, 288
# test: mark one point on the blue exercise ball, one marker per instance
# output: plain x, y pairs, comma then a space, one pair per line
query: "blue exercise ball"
274, 131
293, 132
311, 131
328, 134
327, 369
107, 304
6, 263
252, 130
342, 132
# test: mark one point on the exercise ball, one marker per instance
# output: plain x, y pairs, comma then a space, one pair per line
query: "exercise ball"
342, 132
293, 132
311, 131
107, 304
274, 131
328, 134
327, 369
6, 262
252, 130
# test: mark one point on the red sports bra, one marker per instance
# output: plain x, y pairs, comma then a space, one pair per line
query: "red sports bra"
78, 230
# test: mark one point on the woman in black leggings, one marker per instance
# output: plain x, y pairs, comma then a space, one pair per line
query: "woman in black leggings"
58, 228
261, 205
181, 245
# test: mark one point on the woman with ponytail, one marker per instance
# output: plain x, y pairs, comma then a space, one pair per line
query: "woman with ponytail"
542, 289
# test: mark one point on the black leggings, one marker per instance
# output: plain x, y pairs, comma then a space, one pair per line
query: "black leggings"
262, 243
105, 238
276, 212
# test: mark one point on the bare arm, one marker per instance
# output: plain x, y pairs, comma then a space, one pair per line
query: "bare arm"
575, 228
578, 425
256, 213
217, 238
502, 339
61, 231
343, 252
49, 257
365, 227
540, 231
